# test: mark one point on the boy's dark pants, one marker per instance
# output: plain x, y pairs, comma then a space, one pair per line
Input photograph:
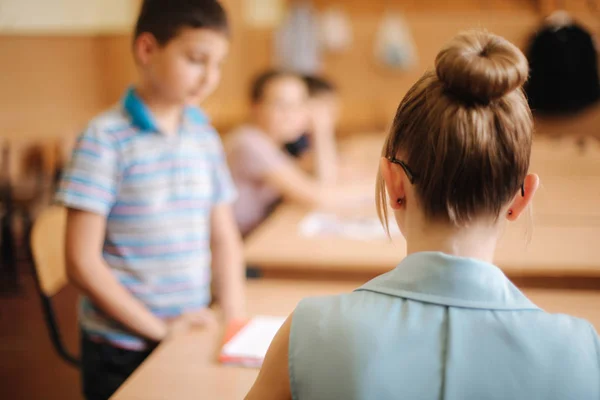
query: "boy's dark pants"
104, 368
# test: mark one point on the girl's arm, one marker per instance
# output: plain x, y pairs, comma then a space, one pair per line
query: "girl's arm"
297, 186
324, 152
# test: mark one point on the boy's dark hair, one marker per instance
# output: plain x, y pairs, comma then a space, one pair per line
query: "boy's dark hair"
165, 18
261, 81
317, 85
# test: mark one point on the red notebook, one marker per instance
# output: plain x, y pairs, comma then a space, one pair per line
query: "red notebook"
246, 343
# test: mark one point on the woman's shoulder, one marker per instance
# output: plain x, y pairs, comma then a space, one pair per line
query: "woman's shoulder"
565, 325
311, 309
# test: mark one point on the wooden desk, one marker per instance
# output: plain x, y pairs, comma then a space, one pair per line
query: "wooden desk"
185, 368
558, 247
564, 230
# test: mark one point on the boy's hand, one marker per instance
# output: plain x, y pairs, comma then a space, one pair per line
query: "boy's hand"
203, 318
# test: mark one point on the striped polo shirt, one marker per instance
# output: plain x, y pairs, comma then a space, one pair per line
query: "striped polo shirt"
156, 192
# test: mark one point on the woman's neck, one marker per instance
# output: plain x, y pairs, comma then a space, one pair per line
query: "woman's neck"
167, 114
476, 241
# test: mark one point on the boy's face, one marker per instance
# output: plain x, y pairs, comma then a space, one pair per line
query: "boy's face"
187, 69
283, 109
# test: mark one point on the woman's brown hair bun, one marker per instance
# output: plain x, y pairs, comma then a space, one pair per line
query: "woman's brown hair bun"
481, 67
465, 131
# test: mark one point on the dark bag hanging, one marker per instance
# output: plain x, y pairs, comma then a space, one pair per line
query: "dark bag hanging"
564, 70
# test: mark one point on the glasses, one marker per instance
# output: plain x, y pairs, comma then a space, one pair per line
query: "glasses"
412, 177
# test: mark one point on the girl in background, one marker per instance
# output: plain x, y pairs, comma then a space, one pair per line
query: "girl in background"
264, 172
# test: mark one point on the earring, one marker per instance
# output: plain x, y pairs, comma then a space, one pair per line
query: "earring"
400, 201
510, 212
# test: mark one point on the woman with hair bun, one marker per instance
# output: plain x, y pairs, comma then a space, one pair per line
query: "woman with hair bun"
445, 323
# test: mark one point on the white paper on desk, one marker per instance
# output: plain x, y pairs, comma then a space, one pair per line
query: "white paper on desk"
254, 339
355, 228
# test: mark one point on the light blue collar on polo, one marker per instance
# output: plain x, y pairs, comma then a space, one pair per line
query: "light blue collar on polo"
142, 117
442, 279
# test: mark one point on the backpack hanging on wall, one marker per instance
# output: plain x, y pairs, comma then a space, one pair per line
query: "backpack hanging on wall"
336, 30
297, 46
564, 67
394, 45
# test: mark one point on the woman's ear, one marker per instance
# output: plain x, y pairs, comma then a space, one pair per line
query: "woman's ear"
522, 200
393, 175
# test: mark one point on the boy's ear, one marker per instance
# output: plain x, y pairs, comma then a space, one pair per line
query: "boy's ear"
144, 47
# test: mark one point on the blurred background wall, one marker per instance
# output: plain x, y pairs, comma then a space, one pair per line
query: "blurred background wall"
64, 64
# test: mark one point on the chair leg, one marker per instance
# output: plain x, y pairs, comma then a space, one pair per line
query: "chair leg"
27, 227
54, 332
10, 276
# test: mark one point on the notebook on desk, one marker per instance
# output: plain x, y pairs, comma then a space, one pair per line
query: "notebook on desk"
361, 228
246, 343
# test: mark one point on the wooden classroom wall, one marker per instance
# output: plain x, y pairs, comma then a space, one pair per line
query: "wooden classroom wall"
48, 85
51, 85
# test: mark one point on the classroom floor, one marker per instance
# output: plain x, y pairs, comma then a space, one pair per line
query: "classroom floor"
29, 367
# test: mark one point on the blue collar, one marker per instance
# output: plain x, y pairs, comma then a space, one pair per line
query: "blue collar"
451, 281
142, 117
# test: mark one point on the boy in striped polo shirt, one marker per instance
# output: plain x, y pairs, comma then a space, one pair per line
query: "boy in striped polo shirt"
149, 194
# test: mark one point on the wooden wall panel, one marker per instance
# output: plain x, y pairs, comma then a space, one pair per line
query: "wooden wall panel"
371, 94
227, 105
53, 85
48, 85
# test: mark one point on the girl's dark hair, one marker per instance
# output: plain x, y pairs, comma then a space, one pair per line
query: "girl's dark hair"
261, 82
164, 19
317, 85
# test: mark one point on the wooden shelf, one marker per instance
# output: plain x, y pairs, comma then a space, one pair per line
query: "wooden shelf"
70, 18
436, 6
542, 7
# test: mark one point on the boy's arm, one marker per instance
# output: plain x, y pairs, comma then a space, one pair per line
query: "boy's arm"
88, 271
228, 262
225, 240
